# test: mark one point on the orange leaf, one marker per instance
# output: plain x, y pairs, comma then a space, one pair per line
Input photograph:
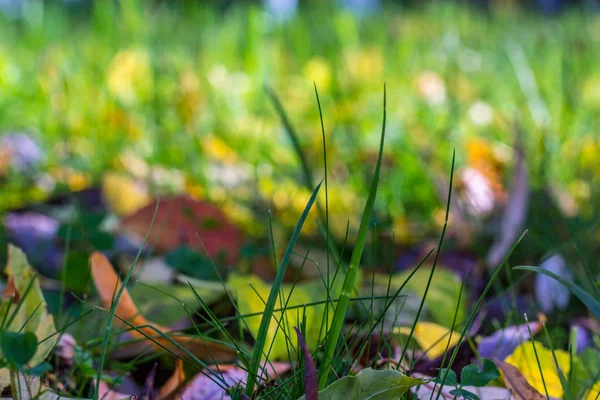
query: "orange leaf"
108, 284
172, 384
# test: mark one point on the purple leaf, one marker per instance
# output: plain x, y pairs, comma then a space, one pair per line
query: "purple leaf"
583, 337
549, 293
503, 342
35, 234
24, 152
310, 370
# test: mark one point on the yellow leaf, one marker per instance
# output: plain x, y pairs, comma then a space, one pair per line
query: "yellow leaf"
432, 338
252, 293
593, 393
524, 359
123, 194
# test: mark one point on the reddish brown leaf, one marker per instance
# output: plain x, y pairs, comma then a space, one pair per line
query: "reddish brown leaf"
183, 221
108, 284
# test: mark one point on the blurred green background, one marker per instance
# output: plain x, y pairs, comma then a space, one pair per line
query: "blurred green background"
170, 96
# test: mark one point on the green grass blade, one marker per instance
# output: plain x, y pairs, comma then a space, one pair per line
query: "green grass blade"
590, 302
306, 169
270, 306
342, 306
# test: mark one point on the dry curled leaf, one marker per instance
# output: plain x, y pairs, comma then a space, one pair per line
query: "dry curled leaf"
516, 382
108, 284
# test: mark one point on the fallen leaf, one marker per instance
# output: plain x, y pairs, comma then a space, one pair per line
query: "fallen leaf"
251, 294
525, 360
429, 390
443, 294
504, 341
32, 315
214, 384
36, 234
549, 293
123, 194
432, 338
108, 283
183, 221
516, 382
370, 384
169, 388
105, 392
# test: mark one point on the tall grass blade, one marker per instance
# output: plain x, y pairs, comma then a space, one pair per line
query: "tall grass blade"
342, 307
261, 338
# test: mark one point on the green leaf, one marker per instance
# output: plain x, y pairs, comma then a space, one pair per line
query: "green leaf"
189, 262
18, 348
442, 296
153, 299
251, 294
101, 240
590, 302
39, 369
450, 379
370, 384
30, 314
465, 394
472, 376
77, 277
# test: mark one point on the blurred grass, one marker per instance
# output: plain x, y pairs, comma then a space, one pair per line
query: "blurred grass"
174, 92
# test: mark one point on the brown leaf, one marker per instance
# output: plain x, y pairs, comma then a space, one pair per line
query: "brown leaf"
183, 221
516, 382
108, 284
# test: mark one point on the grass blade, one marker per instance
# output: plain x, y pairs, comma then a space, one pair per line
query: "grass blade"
344, 300
270, 306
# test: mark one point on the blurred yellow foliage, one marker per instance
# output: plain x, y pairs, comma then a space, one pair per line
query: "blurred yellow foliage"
432, 338
219, 150
130, 76
319, 71
123, 194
